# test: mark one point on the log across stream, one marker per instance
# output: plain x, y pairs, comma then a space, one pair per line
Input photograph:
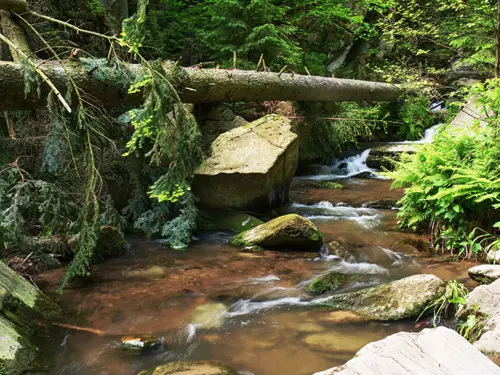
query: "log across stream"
269, 326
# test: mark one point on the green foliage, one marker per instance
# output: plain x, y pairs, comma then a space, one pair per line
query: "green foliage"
455, 295
415, 116
322, 137
453, 184
133, 31
96, 8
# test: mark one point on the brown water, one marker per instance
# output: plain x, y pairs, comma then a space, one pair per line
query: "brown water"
270, 327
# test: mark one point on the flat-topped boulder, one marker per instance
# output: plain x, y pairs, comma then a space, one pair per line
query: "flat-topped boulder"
289, 232
250, 167
485, 273
437, 351
401, 299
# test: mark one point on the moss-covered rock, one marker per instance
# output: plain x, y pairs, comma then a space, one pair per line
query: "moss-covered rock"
23, 312
250, 167
380, 157
191, 368
401, 299
210, 221
289, 232
328, 283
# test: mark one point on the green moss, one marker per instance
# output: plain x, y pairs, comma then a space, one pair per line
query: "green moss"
330, 185
285, 232
328, 283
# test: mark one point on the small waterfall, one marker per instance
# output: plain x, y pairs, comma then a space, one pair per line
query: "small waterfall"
366, 217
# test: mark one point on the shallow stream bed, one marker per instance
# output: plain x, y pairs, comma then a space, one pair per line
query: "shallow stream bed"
270, 326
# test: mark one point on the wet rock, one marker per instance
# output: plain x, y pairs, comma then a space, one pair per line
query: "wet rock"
251, 167
146, 273
141, 342
342, 316
24, 312
494, 256
338, 249
401, 299
438, 351
380, 256
485, 299
381, 204
289, 232
209, 316
191, 368
411, 247
334, 281
380, 157
485, 273
210, 221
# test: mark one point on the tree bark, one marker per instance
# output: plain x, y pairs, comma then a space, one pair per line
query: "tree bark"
195, 86
13, 31
18, 6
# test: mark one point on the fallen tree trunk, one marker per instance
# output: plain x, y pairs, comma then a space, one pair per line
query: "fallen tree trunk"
195, 86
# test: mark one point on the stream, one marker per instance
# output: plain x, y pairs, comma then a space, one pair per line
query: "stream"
270, 325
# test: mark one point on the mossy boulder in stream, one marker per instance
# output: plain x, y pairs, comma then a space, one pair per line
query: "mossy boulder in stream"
401, 299
23, 311
191, 368
289, 232
328, 283
250, 167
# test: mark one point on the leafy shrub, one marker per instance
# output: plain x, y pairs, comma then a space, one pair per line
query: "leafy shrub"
453, 185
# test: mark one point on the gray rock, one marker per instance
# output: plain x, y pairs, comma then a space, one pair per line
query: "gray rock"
438, 351
486, 299
318, 169
485, 273
494, 256
251, 167
379, 156
401, 299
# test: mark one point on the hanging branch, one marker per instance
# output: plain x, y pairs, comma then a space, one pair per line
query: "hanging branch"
38, 71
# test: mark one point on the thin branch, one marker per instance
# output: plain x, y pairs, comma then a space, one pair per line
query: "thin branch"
38, 71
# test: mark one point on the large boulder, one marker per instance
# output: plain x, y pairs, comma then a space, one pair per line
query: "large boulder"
251, 167
191, 368
485, 299
437, 351
289, 232
23, 312
485, 273
401, 299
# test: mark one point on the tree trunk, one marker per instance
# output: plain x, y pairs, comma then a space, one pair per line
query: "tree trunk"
15, 33
497, 62
196, 86
18, 6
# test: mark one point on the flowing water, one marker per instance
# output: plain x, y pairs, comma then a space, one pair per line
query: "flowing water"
271, 325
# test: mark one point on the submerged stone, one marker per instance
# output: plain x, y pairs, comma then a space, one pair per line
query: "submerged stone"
342, 316
485, 273
150, 272
191, 368
289, 232
250, 168
209, 316
401, 299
